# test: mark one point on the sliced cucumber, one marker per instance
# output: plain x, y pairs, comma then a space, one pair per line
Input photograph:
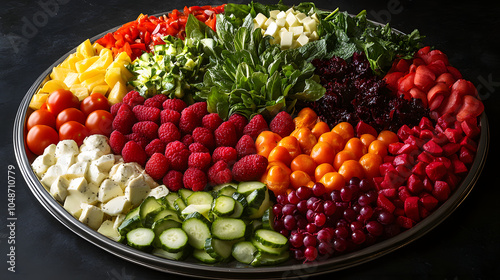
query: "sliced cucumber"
134, 212
203, 209
167, 213
257, 213
263, 258
225, 189
184, 194
173, 240
256, 198
160, 226
218, 249
171, 256
271, 238
129, 224
241, 198
199, 198
169, 199
245, 188
228, 228
244, 252
148, 210
203, 256
140, 238
238, 210
197, 227
268, 219
223, 205
268, 249
179, 205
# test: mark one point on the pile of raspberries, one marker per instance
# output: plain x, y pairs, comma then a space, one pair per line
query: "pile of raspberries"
185, 146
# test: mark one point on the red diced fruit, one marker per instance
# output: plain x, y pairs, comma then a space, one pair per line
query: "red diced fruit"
470, 128
404, 132
407, 149
441, 190
428, 202
419, 168
393, 148
459, 167
403, 193
425, 157
469, 144
446, 121
415, 185
425, 123
364, 128
385, 203
385, 167
390, 193
453, 135
466, 155
411, 208
405, 222
432, 148
450, 149
436, 170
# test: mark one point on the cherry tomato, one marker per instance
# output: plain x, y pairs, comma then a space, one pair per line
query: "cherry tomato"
73, 130
100, 122
39, 137
41, 117
69, 114
61, 99
95, 101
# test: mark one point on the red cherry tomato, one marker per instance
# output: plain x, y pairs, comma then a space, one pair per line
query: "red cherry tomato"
41, 117
69, 114
73, 130
39, 137
100, 122
61, 99
93, 102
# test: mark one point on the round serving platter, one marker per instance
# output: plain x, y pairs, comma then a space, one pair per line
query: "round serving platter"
232, 270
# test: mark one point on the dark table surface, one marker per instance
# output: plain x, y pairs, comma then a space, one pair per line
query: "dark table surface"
34, 34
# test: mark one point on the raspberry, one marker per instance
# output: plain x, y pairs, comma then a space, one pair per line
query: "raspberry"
211, 121
168, 132
245, 146
187, 139
198, 148
157, 166
219, 173
168, 115
174, 104
256, 125
156, 101
155, 146
204, 136
116, 141
145, 113
173, 180
114, 108
282, 124
133, 98
147, 129
124, 119
249, 168
177, 154
225, 135
199, 108
189, 121
133, 152
239, 122
199, 160
227, 154
138, 138
194, 179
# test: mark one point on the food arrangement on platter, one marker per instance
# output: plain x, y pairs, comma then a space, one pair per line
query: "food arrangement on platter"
255, 133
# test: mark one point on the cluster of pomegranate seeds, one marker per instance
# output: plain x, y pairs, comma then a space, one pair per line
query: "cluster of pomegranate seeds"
322, 224
354, 93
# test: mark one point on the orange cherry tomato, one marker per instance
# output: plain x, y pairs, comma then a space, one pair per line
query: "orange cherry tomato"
378, 147
388, 137
280, 164
280, 154
321, 170
291, 144
304, 163
277, 180
306, 139
356, 147
265, 142
367, 139
320, 128
371, 165
323, 152
299, 178
345, 130
341, 157
351, 168
332, 181
333, 139
305, 118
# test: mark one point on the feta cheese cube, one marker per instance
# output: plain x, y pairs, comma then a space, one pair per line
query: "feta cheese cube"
116, 206
50, 176
59, 188
78, 169
137, 190
291, 20
271, 29
259, 20
123, 172
286, 39
281, 14
91, 216
65, 161
159, 191
42, 163
267, 23
281, 22
274, 14
300, 16
66, 148
109, 231
94, 175
109, 190
296, 30
302, 40
86, 192
72, 204
96, 142
310, 24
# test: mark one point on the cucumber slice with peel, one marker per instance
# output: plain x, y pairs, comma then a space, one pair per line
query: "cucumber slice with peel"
173, 240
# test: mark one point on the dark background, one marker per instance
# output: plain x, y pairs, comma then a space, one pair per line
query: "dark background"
464, 246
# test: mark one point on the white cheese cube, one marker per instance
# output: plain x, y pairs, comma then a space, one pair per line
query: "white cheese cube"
66, 148
96, 142
42, 163
291, 20
315, 17
65, 161
296, 30
274, 14
108, 190
78, 169
271, 29
259, 20
117, 220
50, 176
122, 172
281, 14
268, 22
314, 36
300, 16
310, 24
286, 39
72, 204
281, 22
159, 191
86, 192
105, 162
302, 40
109, 231
137, 190
116, 206
91, 216
59, 188
94, 175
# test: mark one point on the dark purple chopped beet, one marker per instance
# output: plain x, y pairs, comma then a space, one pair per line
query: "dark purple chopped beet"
354, 93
